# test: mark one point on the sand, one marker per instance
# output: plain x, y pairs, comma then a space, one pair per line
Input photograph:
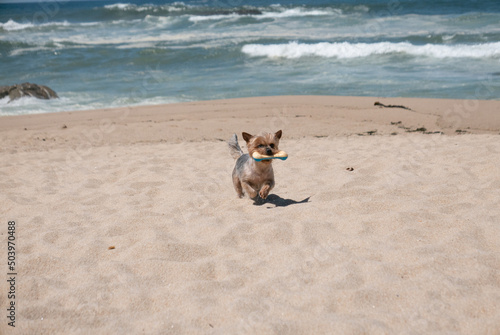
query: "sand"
127, 221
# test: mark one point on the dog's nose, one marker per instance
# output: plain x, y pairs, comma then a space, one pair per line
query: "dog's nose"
269, 152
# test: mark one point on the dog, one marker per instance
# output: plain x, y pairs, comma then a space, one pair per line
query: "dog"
256, 179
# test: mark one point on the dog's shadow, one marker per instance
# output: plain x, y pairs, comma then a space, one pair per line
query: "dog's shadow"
278, 201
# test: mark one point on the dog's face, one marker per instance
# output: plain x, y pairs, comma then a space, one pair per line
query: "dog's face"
266, 144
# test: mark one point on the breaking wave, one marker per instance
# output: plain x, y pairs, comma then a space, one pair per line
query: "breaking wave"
295, 50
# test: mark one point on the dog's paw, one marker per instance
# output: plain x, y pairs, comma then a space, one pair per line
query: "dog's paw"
264, 193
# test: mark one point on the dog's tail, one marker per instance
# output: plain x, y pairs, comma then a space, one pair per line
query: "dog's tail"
234, 147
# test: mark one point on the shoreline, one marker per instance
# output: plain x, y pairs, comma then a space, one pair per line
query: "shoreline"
300, 116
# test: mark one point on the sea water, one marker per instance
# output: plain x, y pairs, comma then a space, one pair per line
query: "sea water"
99, 54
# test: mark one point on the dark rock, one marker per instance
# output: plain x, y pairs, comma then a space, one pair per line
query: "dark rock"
225, 11
248, 11
27, 90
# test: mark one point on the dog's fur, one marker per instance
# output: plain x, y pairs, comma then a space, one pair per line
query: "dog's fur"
249, 176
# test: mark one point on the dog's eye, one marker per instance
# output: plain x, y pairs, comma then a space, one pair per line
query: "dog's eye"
260, 146
272, 145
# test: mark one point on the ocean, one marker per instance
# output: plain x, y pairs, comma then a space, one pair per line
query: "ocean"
99, 54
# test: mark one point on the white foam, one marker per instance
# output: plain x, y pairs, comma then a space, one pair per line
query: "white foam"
21, 51
12, 25
298, 12
283, 13
174, 7
353, 50
26, 105
121, 6
4, 101
200, 18
72, 102
132, 7
159, 21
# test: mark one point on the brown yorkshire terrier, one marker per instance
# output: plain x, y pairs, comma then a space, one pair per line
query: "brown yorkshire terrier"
250, 176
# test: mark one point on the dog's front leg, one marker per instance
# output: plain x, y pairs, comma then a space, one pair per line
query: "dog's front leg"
249, 190
264, 191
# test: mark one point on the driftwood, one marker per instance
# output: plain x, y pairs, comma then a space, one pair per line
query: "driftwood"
391, 106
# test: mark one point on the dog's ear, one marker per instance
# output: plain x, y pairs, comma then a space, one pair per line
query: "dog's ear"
246, 136
278, 134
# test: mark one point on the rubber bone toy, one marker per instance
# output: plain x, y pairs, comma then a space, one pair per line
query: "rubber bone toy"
279, 155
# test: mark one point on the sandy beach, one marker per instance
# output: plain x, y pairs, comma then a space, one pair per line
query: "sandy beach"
383, 220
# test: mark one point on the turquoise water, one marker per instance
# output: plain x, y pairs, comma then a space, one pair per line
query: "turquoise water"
107, 54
